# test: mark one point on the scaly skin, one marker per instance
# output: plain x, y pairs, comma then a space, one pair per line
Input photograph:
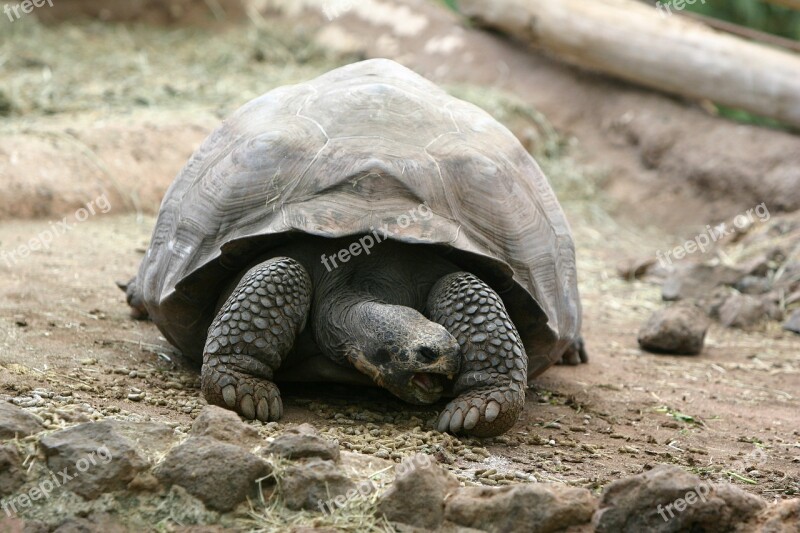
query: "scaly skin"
494, 367
251, 336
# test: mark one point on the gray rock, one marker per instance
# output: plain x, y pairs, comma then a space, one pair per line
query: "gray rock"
93, 458
782, 517
773, 303
793, 322
17, 422
150, 438
678, 329
753, 285
693, 281
12, 476
634, 268
540, 507
417, 495
94, 523
302, 442
793, 298
316, 485
9, 524
742, 311
668, 499
224, 425
219, 474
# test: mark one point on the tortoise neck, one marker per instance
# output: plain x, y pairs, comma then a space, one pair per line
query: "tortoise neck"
344, 323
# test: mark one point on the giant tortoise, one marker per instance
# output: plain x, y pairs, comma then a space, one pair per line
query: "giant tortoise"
364, 227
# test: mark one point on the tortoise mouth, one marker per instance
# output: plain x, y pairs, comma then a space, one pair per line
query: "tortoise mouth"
429, 384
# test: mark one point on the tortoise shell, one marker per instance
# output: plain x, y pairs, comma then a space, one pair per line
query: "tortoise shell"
353, 150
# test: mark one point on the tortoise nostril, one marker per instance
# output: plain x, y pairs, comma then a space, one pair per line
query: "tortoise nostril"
429, 354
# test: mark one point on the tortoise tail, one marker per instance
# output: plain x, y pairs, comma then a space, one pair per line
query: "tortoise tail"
134, 299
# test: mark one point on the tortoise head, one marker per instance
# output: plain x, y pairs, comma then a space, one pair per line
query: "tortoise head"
404, 352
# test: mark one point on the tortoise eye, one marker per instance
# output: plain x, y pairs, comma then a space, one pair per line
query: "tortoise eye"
382, 355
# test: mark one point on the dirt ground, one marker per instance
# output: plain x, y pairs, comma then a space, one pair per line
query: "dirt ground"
66, 338
66, 333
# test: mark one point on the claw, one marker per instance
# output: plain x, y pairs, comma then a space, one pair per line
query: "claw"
262, 411
472, 418
456, 421
492, 411
247, 407
229, 395
275, 408
444, 421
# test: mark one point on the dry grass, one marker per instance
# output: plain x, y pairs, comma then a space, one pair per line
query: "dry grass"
114, 68
270, 515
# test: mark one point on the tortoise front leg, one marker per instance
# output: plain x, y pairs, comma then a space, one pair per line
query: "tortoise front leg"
494, 367
252, 334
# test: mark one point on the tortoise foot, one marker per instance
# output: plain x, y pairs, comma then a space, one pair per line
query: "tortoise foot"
251, 397
483, 412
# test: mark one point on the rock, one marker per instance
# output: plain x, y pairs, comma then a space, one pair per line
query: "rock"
753, 285
773, 305
302, 442
782, 517
417, 495
144, 482
742, 311
317, 485
17, 422
12, 476
540, 507
634, 268
793, 298
150, 438
14, 525
678, 329
92, 458
669, 499
224, 425
219, 474
793, 322
695, 281
94, 523
760, 265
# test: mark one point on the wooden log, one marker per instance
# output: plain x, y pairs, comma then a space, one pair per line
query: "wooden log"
792, 4
748, 33
639, 44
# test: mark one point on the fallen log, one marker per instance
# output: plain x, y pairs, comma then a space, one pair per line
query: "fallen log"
639, 44
792, 4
